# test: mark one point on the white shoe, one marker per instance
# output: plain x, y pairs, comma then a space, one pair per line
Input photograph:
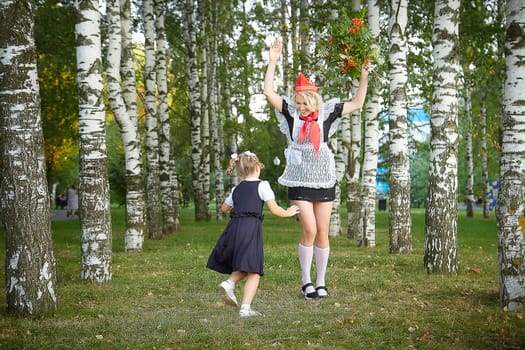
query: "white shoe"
227, 294
249, 313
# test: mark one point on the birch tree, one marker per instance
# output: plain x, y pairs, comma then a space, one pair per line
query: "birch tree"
154, 207
353, 175
120, 50
169, 221
340, 146
30, 270
367, 221
469, 156
219, 13
399, 181
511, 206
482, 62
192, 74
484, 155
94, 201
204, 167
441, 211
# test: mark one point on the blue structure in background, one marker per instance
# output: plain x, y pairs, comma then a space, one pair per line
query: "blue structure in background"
419, 129
492, 195
382, 187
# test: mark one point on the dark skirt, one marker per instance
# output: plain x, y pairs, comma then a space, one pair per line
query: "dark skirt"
239, 248
311, 194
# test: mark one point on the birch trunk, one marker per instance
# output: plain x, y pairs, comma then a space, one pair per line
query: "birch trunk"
134, 235
285, 25
175, 194
216, 120
367, 220
204, 166
353, 198
441, 212
94, 201
337, 147
154, 207
30, 269
232, 140
169, 220
399, 211
511, 206
192, 74
484, 157
469, 188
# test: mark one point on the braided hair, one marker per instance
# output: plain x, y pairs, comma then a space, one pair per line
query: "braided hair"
244, 164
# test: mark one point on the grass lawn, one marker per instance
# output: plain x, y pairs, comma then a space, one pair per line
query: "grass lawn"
165, 298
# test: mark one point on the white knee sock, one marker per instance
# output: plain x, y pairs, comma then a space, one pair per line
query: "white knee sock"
321, 262
306, 255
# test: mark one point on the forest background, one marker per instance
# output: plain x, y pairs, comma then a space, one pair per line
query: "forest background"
195, 80
248, 30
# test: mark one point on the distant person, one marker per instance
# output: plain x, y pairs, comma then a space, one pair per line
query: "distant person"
63, 201
239, 250
72, 201
57, 201
479, 201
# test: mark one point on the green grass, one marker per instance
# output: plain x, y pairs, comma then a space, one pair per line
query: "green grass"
165, 298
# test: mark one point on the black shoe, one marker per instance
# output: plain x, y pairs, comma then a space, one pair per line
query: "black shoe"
322, 292
308, 296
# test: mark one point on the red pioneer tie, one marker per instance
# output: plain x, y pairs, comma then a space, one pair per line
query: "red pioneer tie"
315, 132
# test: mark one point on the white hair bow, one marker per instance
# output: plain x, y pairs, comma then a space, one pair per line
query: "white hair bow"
235, 156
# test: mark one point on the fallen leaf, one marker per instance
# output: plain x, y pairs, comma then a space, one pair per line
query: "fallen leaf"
426, 335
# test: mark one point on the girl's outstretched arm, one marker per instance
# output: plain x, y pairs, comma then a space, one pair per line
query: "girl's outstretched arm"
359, 99
225, 207
276, 210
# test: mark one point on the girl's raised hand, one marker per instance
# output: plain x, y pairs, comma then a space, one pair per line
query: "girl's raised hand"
275, 50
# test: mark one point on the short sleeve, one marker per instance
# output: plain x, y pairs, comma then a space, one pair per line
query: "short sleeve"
265, 191
333, 109
285, 118
229, 198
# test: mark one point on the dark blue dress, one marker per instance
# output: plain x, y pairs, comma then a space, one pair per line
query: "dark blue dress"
240, 247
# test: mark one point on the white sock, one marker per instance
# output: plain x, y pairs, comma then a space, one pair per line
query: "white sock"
245, 306
306, 255
321, 262
231, 283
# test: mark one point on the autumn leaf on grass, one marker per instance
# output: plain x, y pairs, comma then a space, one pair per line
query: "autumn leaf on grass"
426, 335
341, 323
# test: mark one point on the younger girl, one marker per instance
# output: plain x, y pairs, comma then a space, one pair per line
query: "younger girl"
239, 250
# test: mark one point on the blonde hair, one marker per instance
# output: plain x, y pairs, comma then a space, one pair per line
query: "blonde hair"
313, 100
244, 163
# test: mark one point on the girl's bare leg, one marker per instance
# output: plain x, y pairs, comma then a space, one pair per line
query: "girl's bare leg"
250, 288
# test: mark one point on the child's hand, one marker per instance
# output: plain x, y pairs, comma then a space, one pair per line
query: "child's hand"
292, 210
